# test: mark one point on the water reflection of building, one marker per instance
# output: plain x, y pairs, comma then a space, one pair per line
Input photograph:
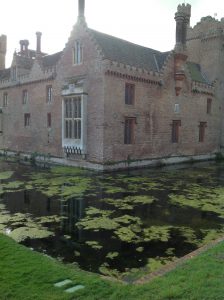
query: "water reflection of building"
72, 210
33, 202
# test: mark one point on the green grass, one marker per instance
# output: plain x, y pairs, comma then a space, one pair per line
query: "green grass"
28, 275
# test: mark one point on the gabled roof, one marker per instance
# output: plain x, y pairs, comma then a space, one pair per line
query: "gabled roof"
51, 60
195, 73
5, 74
125, 52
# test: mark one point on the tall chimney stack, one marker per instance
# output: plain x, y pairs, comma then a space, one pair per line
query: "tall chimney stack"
3, 46
81, 8
38, 34
24, 44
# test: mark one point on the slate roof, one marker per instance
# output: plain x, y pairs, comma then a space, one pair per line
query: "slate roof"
51, 60
195, 73
5, 74
128, 53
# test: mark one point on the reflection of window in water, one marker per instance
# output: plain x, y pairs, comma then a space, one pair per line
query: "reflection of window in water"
72, 210
48, 204
26, 197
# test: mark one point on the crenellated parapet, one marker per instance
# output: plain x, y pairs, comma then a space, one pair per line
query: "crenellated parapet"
207, 28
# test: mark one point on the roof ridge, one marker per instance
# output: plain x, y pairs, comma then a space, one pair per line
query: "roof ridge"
123, 40
128, 53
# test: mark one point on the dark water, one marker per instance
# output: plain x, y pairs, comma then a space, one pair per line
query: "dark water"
103, 228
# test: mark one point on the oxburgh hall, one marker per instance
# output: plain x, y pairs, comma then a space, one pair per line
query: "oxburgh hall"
106, 103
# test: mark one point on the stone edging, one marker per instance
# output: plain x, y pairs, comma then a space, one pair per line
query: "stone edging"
178, 262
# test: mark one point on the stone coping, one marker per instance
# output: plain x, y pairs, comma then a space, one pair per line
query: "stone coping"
170, 267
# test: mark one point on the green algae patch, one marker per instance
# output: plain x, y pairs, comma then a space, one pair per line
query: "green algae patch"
211, 235
94, 244
127, 219
6, 175
96, 224
189, 235
49, 219
112, 255
23, 233
4, 219
127, 235
121, 204
97, 219
157, 233
130, 202
140, 249
12, 186
69, 171
109, 189
205, 199
59, 184
2, 227
156, 263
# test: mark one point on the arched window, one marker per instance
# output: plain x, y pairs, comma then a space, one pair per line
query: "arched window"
77, 53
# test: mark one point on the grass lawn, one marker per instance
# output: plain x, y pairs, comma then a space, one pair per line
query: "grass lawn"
25, 274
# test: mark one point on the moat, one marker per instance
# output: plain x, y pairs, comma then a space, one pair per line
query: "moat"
121, 224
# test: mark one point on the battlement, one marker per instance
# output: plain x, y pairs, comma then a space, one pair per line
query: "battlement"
184, 9
208, 27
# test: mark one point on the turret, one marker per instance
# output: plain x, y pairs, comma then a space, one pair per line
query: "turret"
3, 47
182, 18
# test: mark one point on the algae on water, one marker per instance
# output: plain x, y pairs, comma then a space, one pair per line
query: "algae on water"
6, 175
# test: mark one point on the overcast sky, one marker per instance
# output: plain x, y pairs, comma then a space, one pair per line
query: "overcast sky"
146, 22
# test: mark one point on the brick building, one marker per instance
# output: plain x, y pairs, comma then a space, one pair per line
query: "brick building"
107, 103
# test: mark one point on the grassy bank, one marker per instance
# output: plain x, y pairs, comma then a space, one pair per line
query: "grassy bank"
28, 275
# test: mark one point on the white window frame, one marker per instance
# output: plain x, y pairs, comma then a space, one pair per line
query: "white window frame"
73, 118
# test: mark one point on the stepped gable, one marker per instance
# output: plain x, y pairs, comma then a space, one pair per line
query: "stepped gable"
196, 74
51, 60
5, 74
116, 49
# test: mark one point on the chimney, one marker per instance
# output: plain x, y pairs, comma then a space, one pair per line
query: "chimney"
24, 47
38, 50
3, 46
81, 8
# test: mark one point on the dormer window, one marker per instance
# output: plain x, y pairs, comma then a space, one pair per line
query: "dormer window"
77, 53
